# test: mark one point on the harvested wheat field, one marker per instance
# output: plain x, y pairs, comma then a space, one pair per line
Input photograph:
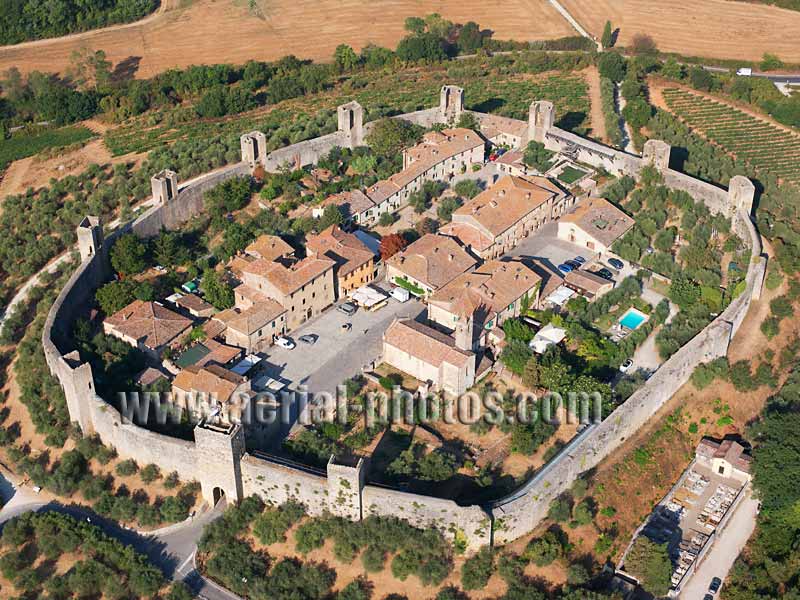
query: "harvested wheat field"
715, 28
219, 31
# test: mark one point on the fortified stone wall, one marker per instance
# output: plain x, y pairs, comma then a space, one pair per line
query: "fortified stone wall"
468, 523
217, 459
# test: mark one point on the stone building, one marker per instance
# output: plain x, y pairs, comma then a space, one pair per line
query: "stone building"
595, 224
354, 263
587, 284
253, 326
199, 390
148, 326
495, 221
269, 247
428, 264
503, 131
439, 156
355, 206
726, 458
492, 293
430, 356
304, 289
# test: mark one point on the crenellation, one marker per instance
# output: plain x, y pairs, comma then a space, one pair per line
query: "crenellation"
217, 457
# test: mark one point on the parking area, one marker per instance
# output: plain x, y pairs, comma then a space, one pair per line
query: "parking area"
336, 355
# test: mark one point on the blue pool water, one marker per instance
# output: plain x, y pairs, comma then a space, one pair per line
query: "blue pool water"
632, 319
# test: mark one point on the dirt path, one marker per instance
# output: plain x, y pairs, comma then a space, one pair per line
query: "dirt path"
219, 31
713, 28
596, 118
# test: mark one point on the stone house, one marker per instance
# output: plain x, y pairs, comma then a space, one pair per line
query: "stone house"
595, 224
200, 389
511, 163
148, 326
354, 263
429, 356
269, 247
254, 324
428, 264
304, 288
489, 295
439, 156
726, 458
587, 284
195, 306
504, 131
497, 219
356, 207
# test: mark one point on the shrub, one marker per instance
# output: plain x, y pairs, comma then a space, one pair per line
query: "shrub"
127, 468
271, 526
560, 510
173, 509
545, 549
150, 473
477, 570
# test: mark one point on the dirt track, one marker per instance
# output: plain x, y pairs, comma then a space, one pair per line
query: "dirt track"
714, 28
218, 31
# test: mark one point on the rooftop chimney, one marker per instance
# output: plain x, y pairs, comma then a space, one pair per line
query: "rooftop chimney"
450, 257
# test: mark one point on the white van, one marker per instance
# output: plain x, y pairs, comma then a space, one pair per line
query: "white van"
400, 294
744, 72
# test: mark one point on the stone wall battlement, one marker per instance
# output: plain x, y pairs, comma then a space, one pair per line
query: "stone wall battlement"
217, 457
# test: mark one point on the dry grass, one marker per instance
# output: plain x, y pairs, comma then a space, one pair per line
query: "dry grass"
219, 31
714, 28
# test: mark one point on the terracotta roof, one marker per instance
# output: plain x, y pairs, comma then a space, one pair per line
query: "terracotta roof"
250, 293
469, 234
600, 219
382, 190
729, 450
149, 323
193, 302
237, 264
252, 319
437, 146
586, 281
220, 353
215, 380
351, 203
504, 204
513, 157
492, 125
494, 285
149, 376
269, 247
213, 328
434, 260
552, 278
291, 278
345, 249
425, 343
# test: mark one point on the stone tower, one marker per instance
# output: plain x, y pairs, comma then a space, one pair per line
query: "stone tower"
345, 483
451, 103
220, 447
541, 117
254, 148
78, 383
164, 185
90, 236
741, 193
351, 122
656, 153
465, 332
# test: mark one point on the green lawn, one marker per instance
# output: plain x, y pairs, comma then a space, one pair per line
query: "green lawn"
570, 175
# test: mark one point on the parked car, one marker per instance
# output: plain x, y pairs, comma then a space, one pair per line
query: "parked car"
565, 268
716, 583
579, 259
626, 365
347, 308
572, 263
346, 327
309, 338
605, 274
616, 263
285, 342
708, 597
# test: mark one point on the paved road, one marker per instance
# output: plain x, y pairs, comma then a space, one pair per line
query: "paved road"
722, 555
172, 548
337, 355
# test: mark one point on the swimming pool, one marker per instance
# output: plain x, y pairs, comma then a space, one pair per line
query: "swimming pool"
632, 319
